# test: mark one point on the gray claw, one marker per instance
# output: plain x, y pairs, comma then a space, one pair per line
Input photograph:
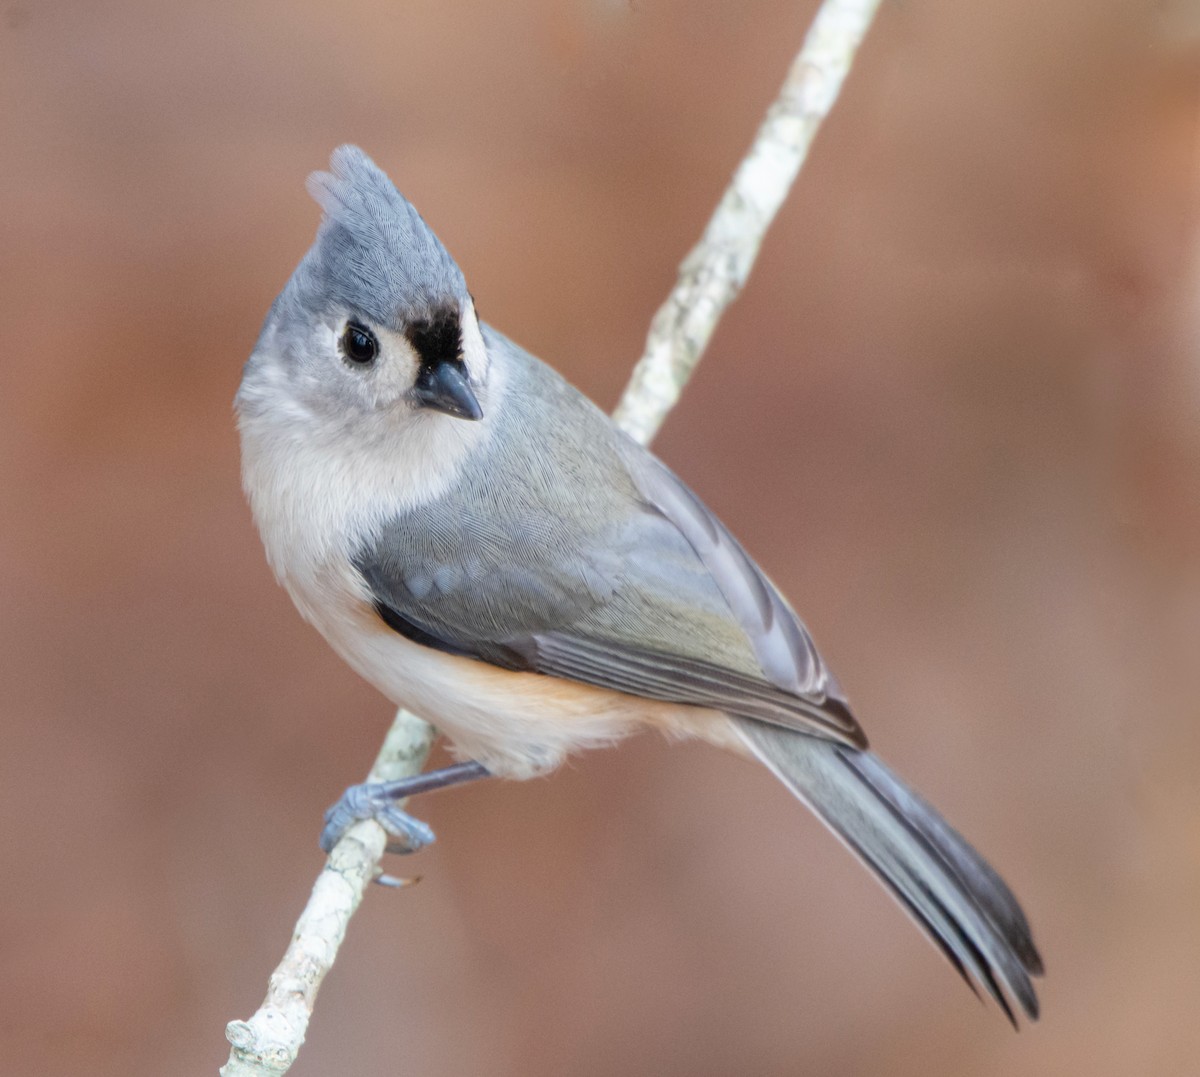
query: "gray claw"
370, 801
393, 882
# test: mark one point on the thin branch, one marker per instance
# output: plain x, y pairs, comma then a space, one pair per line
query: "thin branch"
710, 278
715, 271
267, 1044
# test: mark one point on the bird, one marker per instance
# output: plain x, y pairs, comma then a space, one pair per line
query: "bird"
480, 542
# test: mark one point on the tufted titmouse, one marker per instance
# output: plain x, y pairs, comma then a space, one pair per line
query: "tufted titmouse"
482, 544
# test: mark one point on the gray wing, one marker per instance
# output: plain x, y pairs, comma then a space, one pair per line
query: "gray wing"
594, 563
669, 608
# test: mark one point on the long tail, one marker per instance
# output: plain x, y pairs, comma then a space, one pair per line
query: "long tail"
944, 884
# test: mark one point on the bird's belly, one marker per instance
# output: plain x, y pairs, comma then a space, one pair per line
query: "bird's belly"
516, 724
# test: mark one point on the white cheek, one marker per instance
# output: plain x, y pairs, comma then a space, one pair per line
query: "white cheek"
396, 369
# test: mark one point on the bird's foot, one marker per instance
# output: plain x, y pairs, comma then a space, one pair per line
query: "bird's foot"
374, 800
381, 801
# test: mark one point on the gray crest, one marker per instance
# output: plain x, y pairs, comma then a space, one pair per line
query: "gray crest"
374, 253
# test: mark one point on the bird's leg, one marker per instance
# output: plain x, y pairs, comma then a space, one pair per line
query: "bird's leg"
377, 800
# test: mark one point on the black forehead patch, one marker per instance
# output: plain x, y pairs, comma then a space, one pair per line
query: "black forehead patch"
437, 339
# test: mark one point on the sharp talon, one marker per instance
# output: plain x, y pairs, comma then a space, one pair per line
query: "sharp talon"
392, 882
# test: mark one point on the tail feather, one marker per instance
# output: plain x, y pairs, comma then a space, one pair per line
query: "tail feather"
947, 887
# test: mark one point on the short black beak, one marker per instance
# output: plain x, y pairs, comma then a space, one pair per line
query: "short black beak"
443, 386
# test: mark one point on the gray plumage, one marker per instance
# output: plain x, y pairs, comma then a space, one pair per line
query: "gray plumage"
543, 540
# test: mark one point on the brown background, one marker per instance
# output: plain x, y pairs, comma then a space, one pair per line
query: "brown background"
956, 416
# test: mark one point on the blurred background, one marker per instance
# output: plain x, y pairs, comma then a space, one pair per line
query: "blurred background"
956, 416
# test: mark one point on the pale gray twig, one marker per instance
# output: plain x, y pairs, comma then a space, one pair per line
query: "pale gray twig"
713, 274
267, 1044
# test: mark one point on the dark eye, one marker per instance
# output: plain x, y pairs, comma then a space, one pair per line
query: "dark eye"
359, 345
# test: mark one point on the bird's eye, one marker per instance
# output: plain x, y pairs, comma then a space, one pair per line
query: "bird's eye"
359, 345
